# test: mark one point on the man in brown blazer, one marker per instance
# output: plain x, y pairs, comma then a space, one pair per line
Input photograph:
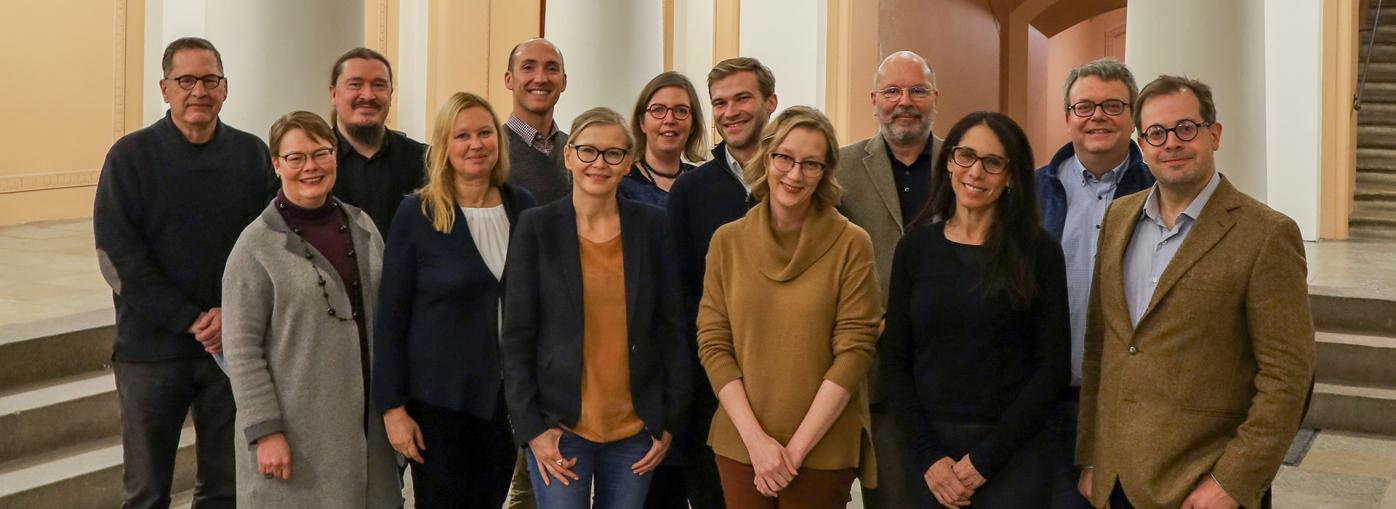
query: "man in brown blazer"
1199, 344
886, 181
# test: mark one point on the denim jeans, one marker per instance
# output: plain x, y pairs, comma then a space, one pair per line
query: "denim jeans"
605, 465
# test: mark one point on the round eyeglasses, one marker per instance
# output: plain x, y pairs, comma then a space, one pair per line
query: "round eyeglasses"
965, 157
588, 154
1185, 130
784, 163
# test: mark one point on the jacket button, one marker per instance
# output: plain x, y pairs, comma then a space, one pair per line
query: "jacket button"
1133, 350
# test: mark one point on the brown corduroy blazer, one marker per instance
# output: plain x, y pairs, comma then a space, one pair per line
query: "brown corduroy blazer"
1213, 380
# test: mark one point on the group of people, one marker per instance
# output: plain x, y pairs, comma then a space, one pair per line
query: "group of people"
586, 318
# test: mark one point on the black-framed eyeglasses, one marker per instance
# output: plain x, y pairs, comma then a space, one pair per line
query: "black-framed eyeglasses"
893, 93
588, 154
680, 112
296, 160
965, 157
1185, 130
1112, 107
187, 81
784, 163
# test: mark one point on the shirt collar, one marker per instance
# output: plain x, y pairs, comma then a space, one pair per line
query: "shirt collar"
526, 131
1193, 210
735, 167
1110, 177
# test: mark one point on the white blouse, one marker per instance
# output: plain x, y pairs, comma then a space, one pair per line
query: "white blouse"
489, 227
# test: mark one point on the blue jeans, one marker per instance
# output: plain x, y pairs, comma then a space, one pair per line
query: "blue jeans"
607, 464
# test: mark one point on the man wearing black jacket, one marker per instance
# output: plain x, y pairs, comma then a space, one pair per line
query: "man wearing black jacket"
171, 201
743, 97
378, 167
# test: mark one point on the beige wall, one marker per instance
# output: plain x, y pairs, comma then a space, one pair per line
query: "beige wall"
69, 106
1084, 42
960, 40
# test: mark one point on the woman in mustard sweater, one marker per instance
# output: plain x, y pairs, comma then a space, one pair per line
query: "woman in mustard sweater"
787, 328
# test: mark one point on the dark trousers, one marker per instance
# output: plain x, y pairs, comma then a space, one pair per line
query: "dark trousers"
1062, 444
890, 441
155, 397
468, 460
691, 478
811, 489
1026, 476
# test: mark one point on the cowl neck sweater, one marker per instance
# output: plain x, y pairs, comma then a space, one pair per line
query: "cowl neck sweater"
783, 256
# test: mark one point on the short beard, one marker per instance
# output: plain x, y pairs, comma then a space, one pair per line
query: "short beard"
906, 136
371, 134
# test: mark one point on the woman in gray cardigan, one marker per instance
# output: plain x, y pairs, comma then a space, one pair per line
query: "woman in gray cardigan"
298, 292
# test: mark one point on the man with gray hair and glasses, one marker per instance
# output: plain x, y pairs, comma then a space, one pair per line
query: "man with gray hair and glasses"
887, 181
1100, 164
171, 201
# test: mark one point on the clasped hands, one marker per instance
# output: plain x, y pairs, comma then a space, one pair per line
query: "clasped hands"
775, 465
953, 482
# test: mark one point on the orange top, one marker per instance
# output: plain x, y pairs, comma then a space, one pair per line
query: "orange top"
608, 414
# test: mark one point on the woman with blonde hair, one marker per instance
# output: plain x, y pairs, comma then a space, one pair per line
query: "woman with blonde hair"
437, 375
787, 328
595, 368
299, 290
668, 127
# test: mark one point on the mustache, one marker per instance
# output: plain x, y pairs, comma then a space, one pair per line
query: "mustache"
907, 110
368, 102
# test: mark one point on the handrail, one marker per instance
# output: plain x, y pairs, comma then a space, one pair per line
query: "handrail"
1367, 62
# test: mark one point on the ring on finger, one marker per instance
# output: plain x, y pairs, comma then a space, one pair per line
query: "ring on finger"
558, 462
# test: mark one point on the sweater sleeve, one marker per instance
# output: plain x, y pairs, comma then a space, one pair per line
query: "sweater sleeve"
248, 300
1052, 364
122, 254
396, 296
857, 317
715, 347
897, 361
519, 338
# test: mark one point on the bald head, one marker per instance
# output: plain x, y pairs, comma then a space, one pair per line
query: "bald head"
523, 47
903, 60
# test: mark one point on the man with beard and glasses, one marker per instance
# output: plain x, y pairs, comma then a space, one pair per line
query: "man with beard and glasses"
171, 201
1100, 164
886, 181
537, 78
377, 166
743, 95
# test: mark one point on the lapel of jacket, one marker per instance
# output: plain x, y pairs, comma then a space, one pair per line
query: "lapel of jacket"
1211, 225
1114, 243
568, 256
361, 230
878, 169
634, 251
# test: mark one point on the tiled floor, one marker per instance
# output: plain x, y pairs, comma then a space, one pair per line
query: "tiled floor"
49, 270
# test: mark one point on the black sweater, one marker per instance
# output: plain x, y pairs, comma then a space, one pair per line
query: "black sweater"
166, 215
377, 185
951, 354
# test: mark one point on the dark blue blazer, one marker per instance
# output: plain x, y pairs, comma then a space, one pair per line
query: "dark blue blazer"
436, 340
543, 314
1051, 196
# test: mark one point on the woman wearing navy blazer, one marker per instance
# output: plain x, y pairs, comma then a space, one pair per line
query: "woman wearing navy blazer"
595, 370
437, 376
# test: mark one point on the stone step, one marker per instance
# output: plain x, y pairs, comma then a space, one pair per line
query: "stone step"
1379, 72
1354, 359
1378, 91
1378, 159
1370, 231
1371, 134
44, 350
50, 415
1383, 51
1353, 315
1376, 112
1376, 177
82, 476
1352, 408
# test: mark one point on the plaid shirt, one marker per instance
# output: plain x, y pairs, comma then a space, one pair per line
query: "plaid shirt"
539, 141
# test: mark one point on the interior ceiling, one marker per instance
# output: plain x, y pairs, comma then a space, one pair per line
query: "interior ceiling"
1065, 14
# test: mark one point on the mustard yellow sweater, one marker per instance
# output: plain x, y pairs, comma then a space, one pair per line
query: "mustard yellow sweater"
784, 319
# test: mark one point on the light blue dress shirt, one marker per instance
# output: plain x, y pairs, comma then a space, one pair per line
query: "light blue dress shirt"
1153, 246
1086, 200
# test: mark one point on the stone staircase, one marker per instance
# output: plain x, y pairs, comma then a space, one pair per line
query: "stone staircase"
60, 431
1355, 387
1374, 201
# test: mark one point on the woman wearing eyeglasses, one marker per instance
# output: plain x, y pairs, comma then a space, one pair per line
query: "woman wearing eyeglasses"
437, 374
595, 370
667, 129
976, 348
787, 328
298, 292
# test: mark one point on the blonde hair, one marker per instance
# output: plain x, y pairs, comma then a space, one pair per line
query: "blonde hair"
602, 116
828, 192
439, 194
